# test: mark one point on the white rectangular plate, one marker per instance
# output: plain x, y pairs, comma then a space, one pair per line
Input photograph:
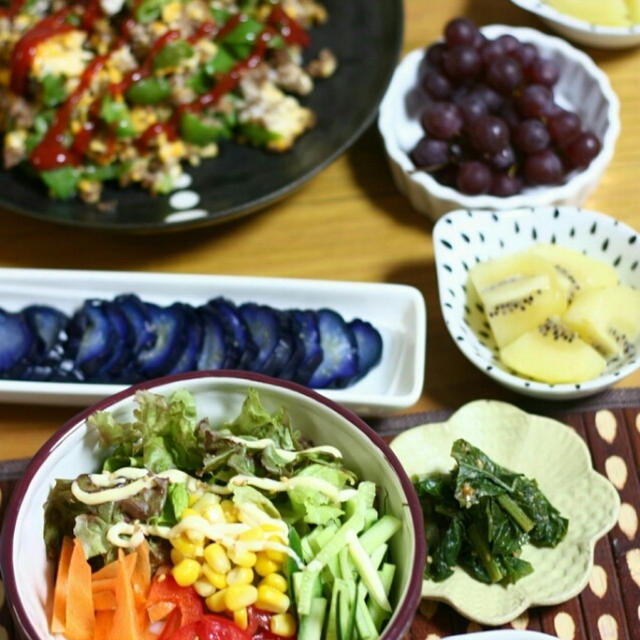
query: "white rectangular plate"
397, 311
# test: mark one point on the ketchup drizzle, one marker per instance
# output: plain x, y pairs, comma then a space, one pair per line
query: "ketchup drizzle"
25, 49
51, 152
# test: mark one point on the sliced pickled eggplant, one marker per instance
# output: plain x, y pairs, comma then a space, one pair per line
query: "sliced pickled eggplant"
264, 326
48, 325
17, 343
91, 337
304, 328
120, 365
339, 352
369, 343
213, 349
188, 360
296, 347
139, 319
240, 348
167, 324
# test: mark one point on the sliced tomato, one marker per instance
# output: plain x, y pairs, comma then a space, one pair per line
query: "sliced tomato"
188, 603
210, 627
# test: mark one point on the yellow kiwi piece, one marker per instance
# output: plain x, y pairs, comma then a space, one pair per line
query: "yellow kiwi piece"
518, 292
614, 13
553, 353
608, 319
576, 271
634, 10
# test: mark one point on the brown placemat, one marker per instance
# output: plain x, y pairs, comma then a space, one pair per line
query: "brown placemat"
609, 607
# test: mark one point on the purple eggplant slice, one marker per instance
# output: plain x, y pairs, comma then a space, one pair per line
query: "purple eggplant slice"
264, 325
304, 328
188, 360
168, 325
213, 348
339, 352
91, 338
240, 348
17, 344
48, 325
369, 343
139, 319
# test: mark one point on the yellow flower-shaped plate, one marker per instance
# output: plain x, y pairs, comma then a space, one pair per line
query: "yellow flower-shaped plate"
541, 448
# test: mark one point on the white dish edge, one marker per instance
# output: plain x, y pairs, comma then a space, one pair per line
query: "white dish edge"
398, 311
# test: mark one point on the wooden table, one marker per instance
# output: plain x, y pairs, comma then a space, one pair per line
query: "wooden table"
347, 223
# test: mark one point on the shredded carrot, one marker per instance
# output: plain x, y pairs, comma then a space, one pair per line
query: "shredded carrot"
79, 612
125, 618
60, 587
104, 623
109, 604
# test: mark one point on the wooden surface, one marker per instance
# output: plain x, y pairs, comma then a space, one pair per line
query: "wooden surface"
347, 223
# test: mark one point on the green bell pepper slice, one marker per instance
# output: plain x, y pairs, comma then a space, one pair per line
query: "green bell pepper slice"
115, 112
149, 90
196, 130
172, 54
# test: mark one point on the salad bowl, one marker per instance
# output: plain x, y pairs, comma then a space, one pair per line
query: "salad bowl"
219, 395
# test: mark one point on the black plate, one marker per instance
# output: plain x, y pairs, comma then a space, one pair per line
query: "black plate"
366, 37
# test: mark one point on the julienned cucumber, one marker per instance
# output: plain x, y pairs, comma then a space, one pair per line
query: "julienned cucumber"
342, 591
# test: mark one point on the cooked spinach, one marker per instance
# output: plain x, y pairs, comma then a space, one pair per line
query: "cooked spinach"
480, 515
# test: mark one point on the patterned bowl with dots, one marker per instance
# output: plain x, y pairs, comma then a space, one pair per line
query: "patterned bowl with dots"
464, 237
582, 31
581, 87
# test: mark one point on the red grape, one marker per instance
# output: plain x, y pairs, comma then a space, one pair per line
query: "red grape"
531, 135
442, 120
505, 185
489, 134
460, 31
564, 127
437, 85
544, 71
543, 167
504, 74
583, 149
430, 153
535, 101
462, 61
474, 177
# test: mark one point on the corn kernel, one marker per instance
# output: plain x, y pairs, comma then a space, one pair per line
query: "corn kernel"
176, 556
243, 558
185, 546
218, 580
255, 533
272, 600
283, 624
275, 580
186, 572
241, 618
238, 596
274, 554
216, 602
193, 499
216, 557
240, 575
264, 566
270, 527
204, 588
188, 512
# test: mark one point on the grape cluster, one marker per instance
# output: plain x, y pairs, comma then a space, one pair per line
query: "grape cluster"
491, 124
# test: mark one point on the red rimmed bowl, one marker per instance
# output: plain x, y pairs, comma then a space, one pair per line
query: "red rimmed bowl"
219, 395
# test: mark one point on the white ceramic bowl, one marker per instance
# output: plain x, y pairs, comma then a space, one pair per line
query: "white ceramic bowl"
462, 238
219, 395
582, 87
592, 35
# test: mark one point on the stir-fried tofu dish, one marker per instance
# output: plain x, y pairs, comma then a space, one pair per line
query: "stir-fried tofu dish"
133, 90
